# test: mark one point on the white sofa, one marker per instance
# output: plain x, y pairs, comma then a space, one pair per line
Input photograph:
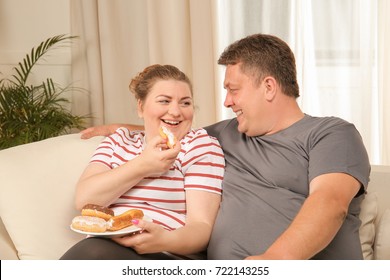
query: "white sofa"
36, 200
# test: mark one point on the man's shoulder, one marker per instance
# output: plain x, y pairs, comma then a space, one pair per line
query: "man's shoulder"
216, 128
325, 123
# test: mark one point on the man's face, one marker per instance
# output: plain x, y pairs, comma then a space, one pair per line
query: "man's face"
246, 99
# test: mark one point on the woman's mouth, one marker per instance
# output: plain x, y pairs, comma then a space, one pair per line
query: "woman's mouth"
171, 122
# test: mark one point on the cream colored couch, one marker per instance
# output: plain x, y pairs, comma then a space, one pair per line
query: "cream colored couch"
36, 200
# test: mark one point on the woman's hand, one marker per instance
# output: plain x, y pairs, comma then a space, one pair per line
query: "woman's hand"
150, 239
157, 158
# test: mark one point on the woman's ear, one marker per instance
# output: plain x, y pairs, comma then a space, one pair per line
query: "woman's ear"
139, 109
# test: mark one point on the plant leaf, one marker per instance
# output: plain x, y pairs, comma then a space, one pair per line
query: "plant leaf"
31, 113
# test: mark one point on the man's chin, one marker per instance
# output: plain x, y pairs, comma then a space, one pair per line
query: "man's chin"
241, 129
246, 131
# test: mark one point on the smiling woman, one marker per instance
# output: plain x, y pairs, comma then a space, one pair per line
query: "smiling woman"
164, 98
168, 104
178, 188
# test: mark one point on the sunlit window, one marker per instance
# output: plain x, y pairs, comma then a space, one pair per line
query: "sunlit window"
335, 44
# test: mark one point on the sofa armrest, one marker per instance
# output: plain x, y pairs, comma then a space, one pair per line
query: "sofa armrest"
7, 248
37, 194
375, 224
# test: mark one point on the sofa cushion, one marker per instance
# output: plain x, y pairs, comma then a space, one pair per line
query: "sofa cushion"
368, 214
39, 224
382, 241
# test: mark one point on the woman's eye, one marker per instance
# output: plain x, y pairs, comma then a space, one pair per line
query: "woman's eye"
163, 101
187, 103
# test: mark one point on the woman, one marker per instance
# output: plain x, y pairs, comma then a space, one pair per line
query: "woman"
179, 188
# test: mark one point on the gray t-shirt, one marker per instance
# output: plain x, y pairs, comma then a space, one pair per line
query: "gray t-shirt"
267, 180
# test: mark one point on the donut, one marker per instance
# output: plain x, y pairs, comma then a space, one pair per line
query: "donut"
94, 210
124, 220
89, 224
167, 134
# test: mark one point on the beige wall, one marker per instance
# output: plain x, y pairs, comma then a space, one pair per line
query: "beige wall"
25, 24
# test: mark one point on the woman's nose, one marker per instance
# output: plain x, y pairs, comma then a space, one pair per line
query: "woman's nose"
174, 109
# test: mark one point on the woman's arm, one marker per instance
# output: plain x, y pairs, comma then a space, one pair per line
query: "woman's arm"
101, 185
203, 178
202, 208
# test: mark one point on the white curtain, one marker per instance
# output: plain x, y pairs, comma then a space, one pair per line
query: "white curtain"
382, 120
117, 39
340, 46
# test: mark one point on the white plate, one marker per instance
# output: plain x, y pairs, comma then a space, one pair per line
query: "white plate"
110, 234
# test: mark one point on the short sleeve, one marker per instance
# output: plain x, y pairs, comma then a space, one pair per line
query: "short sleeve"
203, 163
338, 148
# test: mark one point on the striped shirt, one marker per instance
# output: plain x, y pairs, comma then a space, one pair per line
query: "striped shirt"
198, 166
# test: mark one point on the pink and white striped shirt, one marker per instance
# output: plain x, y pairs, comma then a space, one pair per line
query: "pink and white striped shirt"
199, 166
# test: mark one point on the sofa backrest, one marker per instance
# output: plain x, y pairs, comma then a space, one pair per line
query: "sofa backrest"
37, 183
380, 183
375, 215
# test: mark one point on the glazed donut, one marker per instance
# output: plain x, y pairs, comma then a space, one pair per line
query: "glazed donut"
89, 224
94, 210
124, 220
166, 134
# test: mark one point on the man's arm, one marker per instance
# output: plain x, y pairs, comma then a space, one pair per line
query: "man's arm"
105, 130
319, 219
108, 129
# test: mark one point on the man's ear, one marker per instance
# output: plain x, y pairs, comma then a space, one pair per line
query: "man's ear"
270, 88
139, 108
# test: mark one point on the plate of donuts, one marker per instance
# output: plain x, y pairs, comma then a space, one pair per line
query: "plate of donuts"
101, 221
110, 234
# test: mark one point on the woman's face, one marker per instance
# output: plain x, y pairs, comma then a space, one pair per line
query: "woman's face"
169, 103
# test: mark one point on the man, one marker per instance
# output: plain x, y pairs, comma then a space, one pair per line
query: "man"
293, 183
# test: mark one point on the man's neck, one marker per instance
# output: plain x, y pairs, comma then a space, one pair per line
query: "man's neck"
286, 114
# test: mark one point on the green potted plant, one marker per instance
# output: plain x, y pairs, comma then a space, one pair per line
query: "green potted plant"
30, 113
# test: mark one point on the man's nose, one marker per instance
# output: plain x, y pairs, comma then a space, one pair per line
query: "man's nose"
228, 101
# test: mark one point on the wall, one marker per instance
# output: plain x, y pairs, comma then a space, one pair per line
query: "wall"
24, 24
